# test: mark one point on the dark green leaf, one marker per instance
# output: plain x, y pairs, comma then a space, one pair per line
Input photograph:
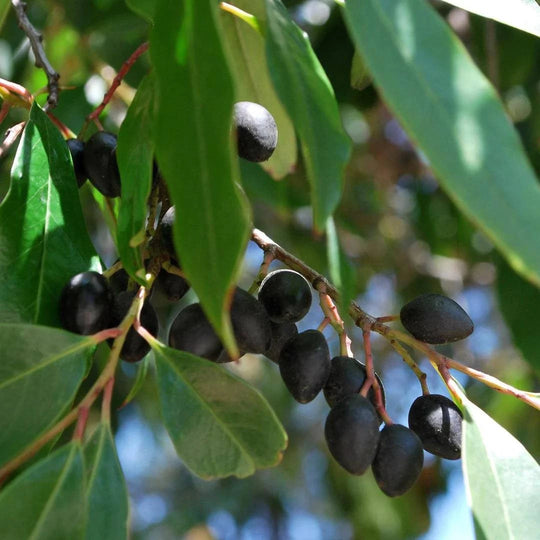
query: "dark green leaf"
144, 8
219, 424
106, 488
502, 479
522, 14
194, 149
519, 302
4, 9
140, 378
47, 501
451, 110
43, 238
305, 90
252, 79
40, 373
135, 154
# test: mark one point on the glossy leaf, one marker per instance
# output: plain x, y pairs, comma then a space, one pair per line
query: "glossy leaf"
341, 271
47, 501
220, 426
252, 80
40, 373
522, 14
194, 149
43, 238
106, 489
521, 315
135, 156
447, 105
305, 90
144, 8
502, 479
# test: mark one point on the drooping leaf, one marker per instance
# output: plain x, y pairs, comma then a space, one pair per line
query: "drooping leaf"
47, 501
220, 426
502, 479
192, 137
140, 378
305, 90
252, 80
447, 105
135, 154
106, 489
522, 14
144, 8
43, 238
40, 372
341, 271
519, 302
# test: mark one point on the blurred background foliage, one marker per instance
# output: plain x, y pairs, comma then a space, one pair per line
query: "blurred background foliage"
403, 236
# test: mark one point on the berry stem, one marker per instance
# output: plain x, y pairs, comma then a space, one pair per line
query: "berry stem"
388, 318
172, 269
82, 420
106, 403
331, 313
407, 358
22, 98
323, 324
243, 15
263, 272
12, 134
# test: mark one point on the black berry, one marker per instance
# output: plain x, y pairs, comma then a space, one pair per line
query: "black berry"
304, 364
76, 148
172, 286
352, 433
281, 333
135, 347
85, 303
192, 332
286, 295
167, 224
119, 280
100, 163
434, 318
256, 131
398, 461
437, 420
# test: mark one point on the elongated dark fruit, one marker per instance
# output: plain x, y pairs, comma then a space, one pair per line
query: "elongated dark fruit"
172, 286
192, 332
135, 347
352, 433
434, 318
76, 149
438, 421
85, 303
281, 333
99, 152
398, 461
304, 364
286, 296
256, 131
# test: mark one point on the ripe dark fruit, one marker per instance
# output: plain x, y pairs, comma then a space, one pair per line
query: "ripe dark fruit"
172, 286
167, 224
119, 281
304, 364
256, 131
99, 151
347, 375
437, 420
398, 461
352, 433
286, 295
281, 332
135, 348
76, 148
434, 318
85, 304
250, 322
192, 332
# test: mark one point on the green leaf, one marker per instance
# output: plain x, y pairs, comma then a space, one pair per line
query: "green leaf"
144, 8
305, 90
360, 77
195, 101
519, 302
522, 14
4, 10
40, 373
106, 488
341, 271
47, 500
140, 379
502, 479
43, 238
446, 104
135, 154
220, 426
252, 78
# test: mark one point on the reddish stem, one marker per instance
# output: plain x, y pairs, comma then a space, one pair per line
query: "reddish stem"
82, 419
107, 398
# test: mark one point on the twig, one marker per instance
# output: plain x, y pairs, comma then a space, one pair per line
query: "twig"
36, 42
263, 271
94, 115
412, 364
12, 134
330, 310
